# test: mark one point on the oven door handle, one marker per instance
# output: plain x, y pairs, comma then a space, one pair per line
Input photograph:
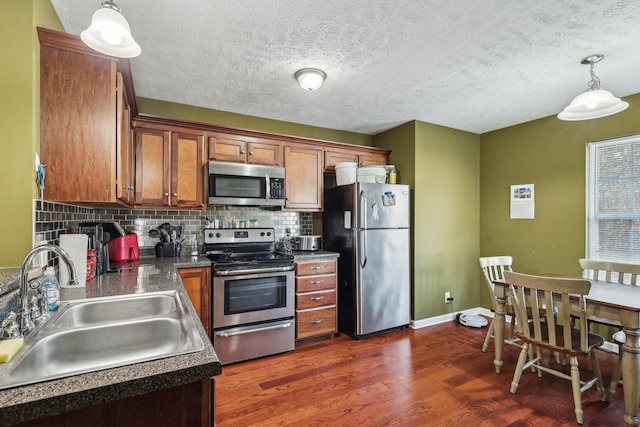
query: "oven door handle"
225, 334
252, 271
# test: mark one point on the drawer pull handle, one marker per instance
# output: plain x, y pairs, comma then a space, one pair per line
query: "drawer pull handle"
316, 282
317, 322
317, 299
318, 267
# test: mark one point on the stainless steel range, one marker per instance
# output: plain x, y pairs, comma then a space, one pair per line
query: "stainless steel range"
253, 294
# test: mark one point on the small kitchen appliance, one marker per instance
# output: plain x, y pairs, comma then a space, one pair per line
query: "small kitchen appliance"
124, 248
100, 234
307, 243
245, 184
253, 294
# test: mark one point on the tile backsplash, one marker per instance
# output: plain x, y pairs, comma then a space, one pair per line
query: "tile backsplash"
52, 219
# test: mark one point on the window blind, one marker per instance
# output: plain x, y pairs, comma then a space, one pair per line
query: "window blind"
613, 200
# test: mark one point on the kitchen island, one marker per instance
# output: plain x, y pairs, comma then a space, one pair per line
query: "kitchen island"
171, 391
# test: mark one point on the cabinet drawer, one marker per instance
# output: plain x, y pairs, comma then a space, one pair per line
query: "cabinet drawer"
315, 299
315, 322
320, 267
315, 283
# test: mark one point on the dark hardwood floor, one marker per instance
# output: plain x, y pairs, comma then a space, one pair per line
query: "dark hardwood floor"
435, 376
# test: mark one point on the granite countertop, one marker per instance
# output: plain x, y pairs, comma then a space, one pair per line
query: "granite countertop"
52, 397
314, 254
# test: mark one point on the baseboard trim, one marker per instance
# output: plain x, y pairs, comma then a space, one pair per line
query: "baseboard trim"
432, 321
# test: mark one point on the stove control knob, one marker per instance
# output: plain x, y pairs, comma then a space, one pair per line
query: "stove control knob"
262, 234
218, 235
268, 233
210, 235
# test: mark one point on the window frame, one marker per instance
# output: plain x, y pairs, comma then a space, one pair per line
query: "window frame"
594, 249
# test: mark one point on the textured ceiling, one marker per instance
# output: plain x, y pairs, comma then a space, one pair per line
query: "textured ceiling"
468, 64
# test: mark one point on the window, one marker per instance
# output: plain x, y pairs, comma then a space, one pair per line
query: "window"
613, 200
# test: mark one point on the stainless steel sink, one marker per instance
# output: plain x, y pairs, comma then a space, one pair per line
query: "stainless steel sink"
100, 333
99, 311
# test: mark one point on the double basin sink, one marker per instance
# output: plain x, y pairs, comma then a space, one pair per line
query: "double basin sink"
99, 333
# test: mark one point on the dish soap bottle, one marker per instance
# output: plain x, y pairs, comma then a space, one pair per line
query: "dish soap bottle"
53, 288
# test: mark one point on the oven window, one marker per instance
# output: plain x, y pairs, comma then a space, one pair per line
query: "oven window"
237, 186
246, 295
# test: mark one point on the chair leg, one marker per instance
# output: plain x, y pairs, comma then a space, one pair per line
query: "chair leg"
488, 337
539, 357
512, 331
595, 365
617, 374
575, 385
519, 367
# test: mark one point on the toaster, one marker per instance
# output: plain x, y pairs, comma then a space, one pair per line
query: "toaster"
124, 248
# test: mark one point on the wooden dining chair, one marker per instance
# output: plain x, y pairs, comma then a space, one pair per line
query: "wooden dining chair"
622, 274
536, 295
493, 269
610, 272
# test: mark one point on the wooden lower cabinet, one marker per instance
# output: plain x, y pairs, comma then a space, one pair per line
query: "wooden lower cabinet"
180, 406
316, 298
197, 282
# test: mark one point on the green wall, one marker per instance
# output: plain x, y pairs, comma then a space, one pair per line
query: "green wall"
551, 154
442, 165
241, 121
20, 120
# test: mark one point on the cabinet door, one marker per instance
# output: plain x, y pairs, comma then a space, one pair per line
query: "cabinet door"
303, 178
187, 169
331, 157
227, 148
125, 160
77, 123
152, 167
197, 282
371, 159
264, 153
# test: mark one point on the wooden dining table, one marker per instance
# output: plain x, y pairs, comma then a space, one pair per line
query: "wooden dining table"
610, 302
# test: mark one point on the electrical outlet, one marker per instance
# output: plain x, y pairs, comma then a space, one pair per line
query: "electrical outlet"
447, 297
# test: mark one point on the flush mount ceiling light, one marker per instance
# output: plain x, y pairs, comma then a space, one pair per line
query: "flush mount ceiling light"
110, 34
595, 102
310, 78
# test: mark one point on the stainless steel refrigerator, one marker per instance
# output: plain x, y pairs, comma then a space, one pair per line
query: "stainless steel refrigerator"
368, 224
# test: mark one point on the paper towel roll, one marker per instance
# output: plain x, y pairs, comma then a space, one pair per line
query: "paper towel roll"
76, 245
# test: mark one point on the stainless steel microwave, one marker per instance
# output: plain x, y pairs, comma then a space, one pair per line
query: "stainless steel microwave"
245, 185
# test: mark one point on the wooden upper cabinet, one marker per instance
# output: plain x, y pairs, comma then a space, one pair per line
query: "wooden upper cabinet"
125, 147
373, 159
331, 157
78, 120
152, 167
169, 167
244, 149
363, 156
303, 177
187, 169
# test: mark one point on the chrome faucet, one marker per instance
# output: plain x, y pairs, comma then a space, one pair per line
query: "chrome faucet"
25, 323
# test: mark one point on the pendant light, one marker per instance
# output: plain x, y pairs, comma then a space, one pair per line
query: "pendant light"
310, 78
110, 34
595, 102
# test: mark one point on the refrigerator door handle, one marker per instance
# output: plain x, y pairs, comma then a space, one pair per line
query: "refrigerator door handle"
363, 234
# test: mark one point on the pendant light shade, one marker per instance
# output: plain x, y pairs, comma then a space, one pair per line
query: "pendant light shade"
595, 102
310, 78
110, 34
